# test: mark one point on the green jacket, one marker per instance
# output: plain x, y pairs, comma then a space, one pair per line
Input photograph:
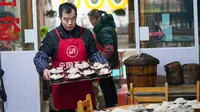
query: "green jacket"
106, 34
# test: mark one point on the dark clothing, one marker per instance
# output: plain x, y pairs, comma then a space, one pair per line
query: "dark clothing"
3, 97
2, 89
50, 46
109, 91
106, 35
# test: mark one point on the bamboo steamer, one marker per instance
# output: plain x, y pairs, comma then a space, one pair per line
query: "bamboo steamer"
191, 72
174, 73
141, 70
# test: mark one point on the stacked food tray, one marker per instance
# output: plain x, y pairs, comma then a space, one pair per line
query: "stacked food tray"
81, 71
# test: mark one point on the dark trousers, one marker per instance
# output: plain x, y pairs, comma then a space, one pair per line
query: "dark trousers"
67, 110
109, 91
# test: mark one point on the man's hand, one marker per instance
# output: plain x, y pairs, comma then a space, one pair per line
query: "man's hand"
46, 74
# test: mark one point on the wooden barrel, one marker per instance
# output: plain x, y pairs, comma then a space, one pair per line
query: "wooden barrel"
191, 73
141, 70
141, 75
174, 73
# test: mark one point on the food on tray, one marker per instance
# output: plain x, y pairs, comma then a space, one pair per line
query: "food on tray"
179, 105
97, 65
73, 76
180, 100
192, 102
104, 71
119, 110
196, 106
152, 106
87, 72
82, 65
102, 111
56, 76
56, 71
53, 70
72, 70
136, 108
59, 68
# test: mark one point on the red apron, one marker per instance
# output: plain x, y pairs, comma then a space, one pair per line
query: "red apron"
99, 47
65, 96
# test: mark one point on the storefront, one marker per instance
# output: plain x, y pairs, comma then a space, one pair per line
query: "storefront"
18, 25
168, 30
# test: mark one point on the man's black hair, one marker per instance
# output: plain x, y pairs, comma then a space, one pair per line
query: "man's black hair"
67, 8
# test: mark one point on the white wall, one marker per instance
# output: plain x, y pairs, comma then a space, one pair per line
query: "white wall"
21, 81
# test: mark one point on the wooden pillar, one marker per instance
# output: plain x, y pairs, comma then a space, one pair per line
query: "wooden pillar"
142, 13
142, 19
40, 22
30, 14
131, 26
23, 11
26, 17
40, 18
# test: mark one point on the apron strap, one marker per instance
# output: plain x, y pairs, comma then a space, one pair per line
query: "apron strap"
81, 31
57, 33
99, 47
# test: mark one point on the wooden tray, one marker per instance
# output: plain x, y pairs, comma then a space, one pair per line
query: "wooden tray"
90, 76
82, 79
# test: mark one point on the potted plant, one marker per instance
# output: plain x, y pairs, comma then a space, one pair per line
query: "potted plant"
120, 12
51, 13
43, 31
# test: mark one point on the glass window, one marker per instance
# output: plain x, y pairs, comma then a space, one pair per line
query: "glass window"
15, 16
170, 23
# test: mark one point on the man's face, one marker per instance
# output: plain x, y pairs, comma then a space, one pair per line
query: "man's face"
68, 20
93, 21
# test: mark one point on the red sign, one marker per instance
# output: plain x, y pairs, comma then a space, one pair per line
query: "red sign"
155, 34
6, 3
6, 25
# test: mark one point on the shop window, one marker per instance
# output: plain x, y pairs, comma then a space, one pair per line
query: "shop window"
15, 17
170, 23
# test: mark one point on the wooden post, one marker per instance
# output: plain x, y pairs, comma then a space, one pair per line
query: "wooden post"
142, 13
40, 22
27, 18
131, 26
30, 14
142, 20
198, 91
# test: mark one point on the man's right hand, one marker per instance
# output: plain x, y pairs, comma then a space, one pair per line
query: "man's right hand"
46, 74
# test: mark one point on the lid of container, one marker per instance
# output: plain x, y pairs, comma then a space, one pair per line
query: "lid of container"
141, 59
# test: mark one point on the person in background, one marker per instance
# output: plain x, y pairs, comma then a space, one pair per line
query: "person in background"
106, 41
68, 43
106, 35
4, 44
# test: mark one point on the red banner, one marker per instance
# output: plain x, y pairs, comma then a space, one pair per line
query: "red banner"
6, 26
6, 3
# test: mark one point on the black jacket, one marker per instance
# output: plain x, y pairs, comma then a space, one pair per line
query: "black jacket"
106, 34
2, 89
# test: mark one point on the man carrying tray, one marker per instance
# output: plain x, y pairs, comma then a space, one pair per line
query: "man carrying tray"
67, 44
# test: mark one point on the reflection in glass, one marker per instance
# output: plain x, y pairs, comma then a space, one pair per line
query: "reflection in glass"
20, 16
170, 22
